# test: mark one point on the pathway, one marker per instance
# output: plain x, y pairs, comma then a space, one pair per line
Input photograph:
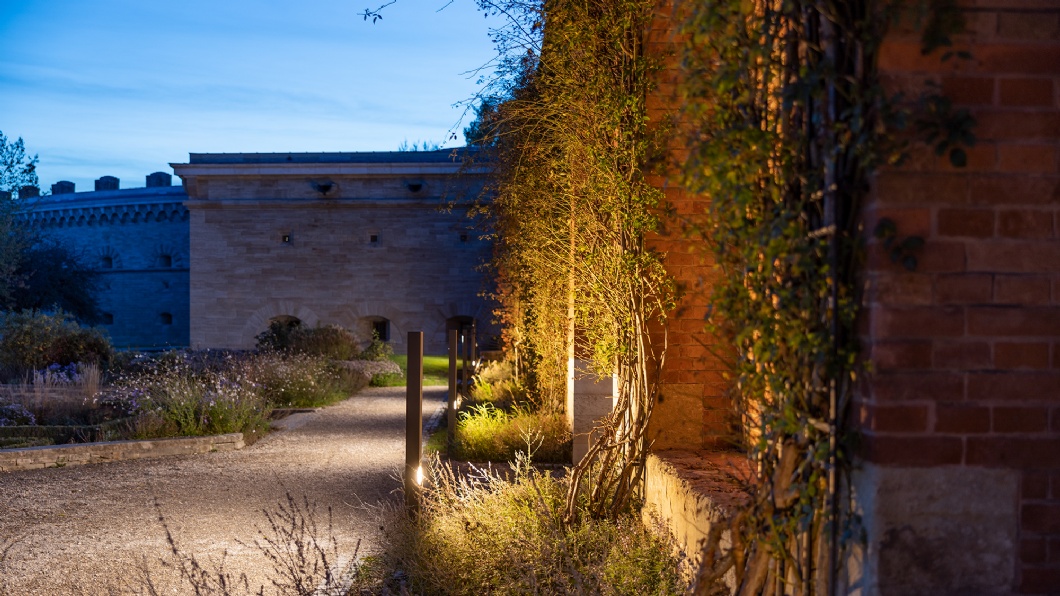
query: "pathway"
88, 529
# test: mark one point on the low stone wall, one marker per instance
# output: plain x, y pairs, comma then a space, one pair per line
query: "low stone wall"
55, 456
691, 493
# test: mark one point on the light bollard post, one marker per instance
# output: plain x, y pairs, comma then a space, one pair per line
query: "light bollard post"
414, 421
450, 417
464, 376
474, 345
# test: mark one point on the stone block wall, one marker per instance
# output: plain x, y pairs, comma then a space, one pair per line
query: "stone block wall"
965, 352
380, 244
137, 240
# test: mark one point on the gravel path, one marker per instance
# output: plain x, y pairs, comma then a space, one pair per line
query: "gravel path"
89, 529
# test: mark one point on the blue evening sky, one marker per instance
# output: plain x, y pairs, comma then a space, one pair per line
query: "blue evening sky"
124, 87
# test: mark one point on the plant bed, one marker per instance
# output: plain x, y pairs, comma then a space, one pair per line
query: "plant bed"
61, 434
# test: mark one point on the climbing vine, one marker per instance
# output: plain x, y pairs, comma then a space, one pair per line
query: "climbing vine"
790, 122
570, 138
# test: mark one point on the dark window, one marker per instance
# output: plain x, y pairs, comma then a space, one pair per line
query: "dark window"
381, 329
167, 319
107, 262
165, 261
463, 237
108, 319
373, 238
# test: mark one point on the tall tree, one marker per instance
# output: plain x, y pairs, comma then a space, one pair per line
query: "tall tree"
16, 170
36, 271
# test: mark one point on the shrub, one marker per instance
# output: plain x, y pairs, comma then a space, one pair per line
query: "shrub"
32, 340
487, 535
297, 380
495, 384
179, 394
16, 415
330, 341
377, 349
487, 433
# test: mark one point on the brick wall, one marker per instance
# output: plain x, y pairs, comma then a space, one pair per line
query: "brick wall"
966, 348
693, 411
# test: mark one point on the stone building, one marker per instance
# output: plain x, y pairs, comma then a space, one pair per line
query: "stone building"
375, 242
370, 241
137, 239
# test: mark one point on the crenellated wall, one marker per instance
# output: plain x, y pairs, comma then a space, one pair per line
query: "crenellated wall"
137, 239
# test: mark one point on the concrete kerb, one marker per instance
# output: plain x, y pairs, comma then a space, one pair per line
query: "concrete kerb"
57, 456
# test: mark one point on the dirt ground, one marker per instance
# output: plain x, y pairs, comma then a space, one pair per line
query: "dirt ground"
93, 529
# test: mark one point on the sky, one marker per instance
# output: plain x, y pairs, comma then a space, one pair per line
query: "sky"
125, 87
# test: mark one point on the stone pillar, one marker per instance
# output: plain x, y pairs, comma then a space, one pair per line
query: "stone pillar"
589, 399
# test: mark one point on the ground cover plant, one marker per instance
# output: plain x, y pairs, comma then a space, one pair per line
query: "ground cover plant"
188, 393
497, 421
487, 533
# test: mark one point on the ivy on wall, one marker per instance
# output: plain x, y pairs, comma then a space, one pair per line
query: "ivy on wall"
790, 123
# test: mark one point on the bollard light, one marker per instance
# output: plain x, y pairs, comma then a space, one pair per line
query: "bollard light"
414, 421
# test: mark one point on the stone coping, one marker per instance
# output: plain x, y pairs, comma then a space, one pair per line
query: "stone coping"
57, 456
693, 491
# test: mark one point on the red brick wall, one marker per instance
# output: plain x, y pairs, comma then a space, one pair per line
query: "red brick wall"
966, 348
694, 411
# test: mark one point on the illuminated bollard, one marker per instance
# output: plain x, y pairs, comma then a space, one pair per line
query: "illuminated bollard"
450, 417
414, 421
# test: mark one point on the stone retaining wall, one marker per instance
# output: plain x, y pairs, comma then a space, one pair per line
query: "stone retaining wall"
692, 492
57, 456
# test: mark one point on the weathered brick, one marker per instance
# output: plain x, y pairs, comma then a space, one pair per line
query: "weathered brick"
970, 223
1010, 321
1035, 485
1017, 125
896, 419
961, 355
911, 323
964, 288
1033, 159
1039, 580
1013, 451
1008, 386
1020, 419
917, 386
961, 418
1019, 58
969, 91
1026, 26
1014, 257
1033, 550
902, 355
1021, 355
900, 288
1025, 223
1041, 518
1012, 189
1022, 289
1026, 92
913, 451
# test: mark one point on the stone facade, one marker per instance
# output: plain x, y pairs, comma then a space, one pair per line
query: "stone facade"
137, 239
368, 241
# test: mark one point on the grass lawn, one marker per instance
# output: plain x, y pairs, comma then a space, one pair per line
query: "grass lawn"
435, 369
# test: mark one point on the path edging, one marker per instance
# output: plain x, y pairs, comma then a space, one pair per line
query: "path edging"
57, 456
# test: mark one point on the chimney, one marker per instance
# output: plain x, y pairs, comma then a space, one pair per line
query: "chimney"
28, 192
63, 187
159, 179
107, 183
